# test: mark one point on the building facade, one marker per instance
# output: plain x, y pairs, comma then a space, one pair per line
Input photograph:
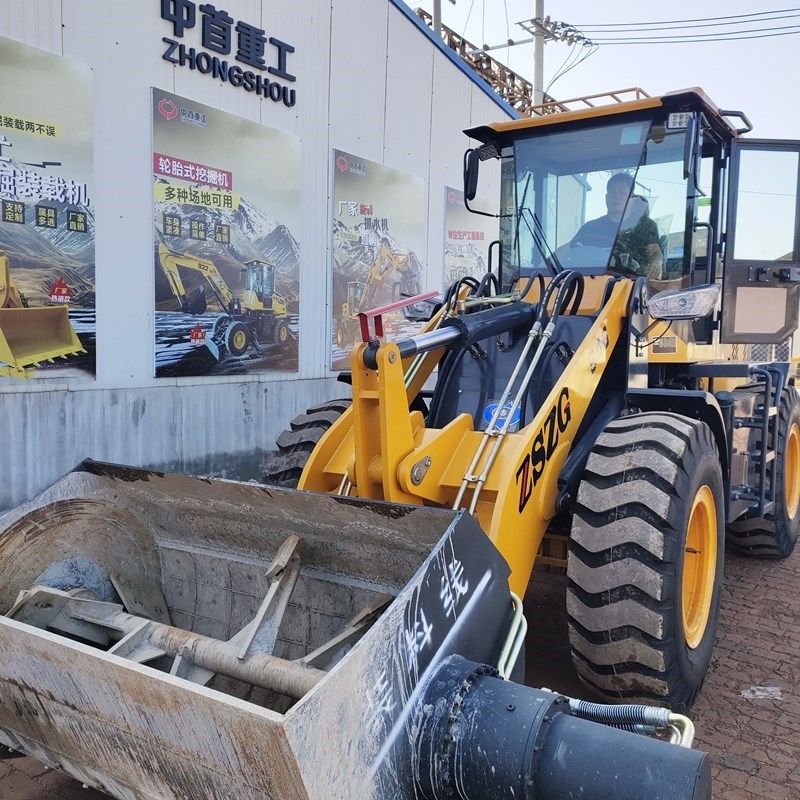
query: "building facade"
197, 200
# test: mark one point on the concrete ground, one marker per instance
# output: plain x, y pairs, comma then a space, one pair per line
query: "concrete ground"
747, 716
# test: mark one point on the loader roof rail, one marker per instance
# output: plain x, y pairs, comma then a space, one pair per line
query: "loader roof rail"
590, 101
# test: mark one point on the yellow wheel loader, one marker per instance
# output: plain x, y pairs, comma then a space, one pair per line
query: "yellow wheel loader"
164, 636
261, 317
592, 402
362, 295
31, 336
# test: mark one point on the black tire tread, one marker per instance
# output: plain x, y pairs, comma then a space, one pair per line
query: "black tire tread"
624, 553
765, 537
284, 466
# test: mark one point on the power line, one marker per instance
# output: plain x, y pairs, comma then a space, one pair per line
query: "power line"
596, 25
681, 26
701, 38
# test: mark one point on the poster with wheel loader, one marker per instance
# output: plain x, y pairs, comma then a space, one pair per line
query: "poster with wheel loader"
261, 317
47, 263
169, 636
227, 268
378, 232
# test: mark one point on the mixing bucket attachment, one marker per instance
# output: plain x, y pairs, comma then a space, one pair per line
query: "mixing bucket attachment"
171, 637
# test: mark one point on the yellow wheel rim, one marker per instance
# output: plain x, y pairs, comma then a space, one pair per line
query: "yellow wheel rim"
283, 334
699, 566
239, 340
791, 471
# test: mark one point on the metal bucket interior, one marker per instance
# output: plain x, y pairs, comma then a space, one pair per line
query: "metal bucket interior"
382, 594
196, 554
29, 336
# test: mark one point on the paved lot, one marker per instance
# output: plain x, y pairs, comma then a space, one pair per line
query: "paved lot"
751, 733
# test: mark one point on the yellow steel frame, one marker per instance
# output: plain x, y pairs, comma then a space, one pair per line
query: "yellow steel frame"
382, 450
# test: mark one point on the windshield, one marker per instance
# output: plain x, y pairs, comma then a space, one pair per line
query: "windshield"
601, 198
260, 279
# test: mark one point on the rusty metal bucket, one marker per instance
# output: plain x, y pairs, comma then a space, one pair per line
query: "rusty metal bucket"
175, 637
30, 336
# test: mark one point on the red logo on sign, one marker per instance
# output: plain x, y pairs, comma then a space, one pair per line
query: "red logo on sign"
167, 108
197, 336
60, 292
342, 163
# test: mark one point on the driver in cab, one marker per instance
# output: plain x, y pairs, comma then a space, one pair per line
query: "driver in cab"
626, 230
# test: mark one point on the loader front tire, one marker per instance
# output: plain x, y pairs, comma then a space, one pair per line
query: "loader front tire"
237, 339
284, 466
646, 560
774, 535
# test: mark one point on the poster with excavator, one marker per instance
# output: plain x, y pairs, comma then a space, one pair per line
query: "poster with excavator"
47, 265
378, 236
226, 195
467, 238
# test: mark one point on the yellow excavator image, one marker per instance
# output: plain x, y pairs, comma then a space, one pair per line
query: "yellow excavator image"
259, 318
363, 295
30, 336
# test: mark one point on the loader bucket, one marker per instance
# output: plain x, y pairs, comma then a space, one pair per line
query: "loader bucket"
29, 336
166, 636
198, 559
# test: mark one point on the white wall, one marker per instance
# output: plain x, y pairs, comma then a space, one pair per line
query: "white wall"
368, 82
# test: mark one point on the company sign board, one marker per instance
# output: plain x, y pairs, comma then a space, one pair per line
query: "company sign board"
231, 50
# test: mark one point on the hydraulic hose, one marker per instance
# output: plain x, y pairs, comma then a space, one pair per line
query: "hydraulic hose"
621, 715
563, 283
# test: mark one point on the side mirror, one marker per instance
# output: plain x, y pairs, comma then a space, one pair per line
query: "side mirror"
471, 161
692, 303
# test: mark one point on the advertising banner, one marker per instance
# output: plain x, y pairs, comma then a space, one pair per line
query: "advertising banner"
47, 264
467, 238
378, 234
226, 195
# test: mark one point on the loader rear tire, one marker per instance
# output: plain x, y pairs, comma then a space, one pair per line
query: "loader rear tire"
775, 535
646, 560
284, 466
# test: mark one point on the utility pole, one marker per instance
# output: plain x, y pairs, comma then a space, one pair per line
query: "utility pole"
538, 53
437, 17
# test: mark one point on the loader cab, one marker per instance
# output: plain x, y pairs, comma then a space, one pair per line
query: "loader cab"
259, 283
606, 194
683, 220
355, 297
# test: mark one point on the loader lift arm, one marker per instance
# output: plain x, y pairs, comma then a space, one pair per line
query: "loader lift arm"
397, 458
10, 296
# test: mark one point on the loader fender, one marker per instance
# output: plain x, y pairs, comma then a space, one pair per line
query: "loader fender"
693, 404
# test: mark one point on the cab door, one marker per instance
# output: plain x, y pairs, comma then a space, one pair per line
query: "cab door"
761, 289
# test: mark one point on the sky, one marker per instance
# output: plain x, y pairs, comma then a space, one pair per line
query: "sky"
756, 76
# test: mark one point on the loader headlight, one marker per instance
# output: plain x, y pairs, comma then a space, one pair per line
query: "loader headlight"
692, 303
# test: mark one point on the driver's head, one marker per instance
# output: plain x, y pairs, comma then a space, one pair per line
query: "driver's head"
618, 190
